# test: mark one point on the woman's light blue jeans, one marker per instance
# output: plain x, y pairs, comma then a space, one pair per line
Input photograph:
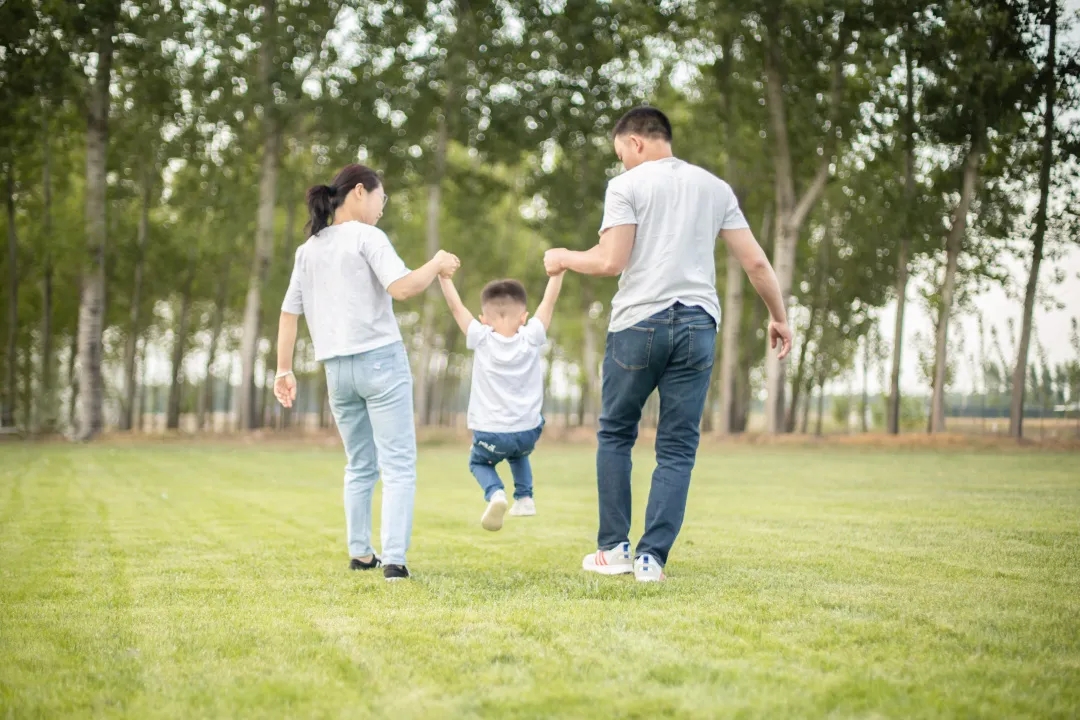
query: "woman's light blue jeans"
372, 401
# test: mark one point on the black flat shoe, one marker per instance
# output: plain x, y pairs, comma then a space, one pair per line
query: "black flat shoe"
356, 564
396, 572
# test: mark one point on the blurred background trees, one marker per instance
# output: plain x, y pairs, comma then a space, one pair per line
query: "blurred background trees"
896, 159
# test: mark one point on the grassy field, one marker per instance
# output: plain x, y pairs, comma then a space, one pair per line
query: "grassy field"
190, 581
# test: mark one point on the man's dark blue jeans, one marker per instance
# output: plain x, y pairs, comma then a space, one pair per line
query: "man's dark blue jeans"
489, 449
671, 351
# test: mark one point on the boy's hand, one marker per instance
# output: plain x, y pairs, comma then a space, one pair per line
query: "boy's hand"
448, 263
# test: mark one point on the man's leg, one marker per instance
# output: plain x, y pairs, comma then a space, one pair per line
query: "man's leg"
628, 380
683, 388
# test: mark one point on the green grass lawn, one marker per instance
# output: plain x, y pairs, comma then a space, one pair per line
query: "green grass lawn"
191, 581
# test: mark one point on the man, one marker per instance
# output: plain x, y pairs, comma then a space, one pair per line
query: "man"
661, 219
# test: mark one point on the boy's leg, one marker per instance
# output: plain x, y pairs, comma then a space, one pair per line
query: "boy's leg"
482, 462
523, 479
520, 465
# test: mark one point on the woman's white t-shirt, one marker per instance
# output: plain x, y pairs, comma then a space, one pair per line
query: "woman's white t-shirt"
339, 282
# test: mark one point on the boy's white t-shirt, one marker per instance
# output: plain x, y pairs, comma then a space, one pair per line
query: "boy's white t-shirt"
507, 378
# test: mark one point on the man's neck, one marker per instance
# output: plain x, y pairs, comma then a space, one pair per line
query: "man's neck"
657, 151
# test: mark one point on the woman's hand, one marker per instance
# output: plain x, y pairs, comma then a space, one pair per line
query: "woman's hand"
448, 263
285, 389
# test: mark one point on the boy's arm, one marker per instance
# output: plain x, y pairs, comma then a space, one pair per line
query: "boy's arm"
461, 314
547, 305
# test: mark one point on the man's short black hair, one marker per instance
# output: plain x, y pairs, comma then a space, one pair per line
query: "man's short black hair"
645, 121
504, 291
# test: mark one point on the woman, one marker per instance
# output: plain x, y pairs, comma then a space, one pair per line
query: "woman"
344, 280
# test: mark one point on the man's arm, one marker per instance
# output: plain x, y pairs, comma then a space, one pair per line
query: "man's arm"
285, 382
609, 257
547, 305
748, 252
461, 313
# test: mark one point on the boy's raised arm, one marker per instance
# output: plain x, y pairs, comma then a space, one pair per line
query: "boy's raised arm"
461, 314
551, 294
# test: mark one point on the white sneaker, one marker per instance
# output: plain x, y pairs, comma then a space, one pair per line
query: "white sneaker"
525, 507
646, 569
493, 516
616, 561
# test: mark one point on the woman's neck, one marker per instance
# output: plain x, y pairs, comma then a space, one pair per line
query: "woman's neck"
342, 215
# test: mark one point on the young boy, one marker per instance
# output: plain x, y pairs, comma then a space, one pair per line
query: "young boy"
507, 388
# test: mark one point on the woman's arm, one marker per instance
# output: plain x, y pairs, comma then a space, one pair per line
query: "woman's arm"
285, 381
416, 282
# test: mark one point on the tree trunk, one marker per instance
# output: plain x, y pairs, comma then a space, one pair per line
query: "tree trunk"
820, 305
47, 401
128, 415
953, 247
264, 230
207, 405
72, 378
591, 358
172, 419
865, 406
729, 353
324, 400
1016, 409
791, 211
141, 394
229, 422
800, 373
747, 357
7, 411
903, 257
820, 405
427, 323
92, 302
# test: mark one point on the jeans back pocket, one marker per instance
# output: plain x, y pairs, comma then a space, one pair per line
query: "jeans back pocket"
702, 346
631, 348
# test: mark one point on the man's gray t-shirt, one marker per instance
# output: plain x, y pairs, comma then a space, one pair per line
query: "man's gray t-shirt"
339, 283
679, 209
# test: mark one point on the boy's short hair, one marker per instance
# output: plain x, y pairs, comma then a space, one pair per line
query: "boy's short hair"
645, 121
501, 293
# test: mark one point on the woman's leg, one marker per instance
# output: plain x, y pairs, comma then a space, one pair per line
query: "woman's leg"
361, 468
385, 375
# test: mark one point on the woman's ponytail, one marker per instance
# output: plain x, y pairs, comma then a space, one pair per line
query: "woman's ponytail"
320, 204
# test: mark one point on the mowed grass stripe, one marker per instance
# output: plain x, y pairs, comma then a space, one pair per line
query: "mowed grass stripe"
806, 583
220, 622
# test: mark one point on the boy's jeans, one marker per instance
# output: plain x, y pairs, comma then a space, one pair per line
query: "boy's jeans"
672, 351
371, 398
489, 449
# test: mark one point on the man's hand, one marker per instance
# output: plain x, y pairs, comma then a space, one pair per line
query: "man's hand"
448, 263
554, 261
285, 389
779, 332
